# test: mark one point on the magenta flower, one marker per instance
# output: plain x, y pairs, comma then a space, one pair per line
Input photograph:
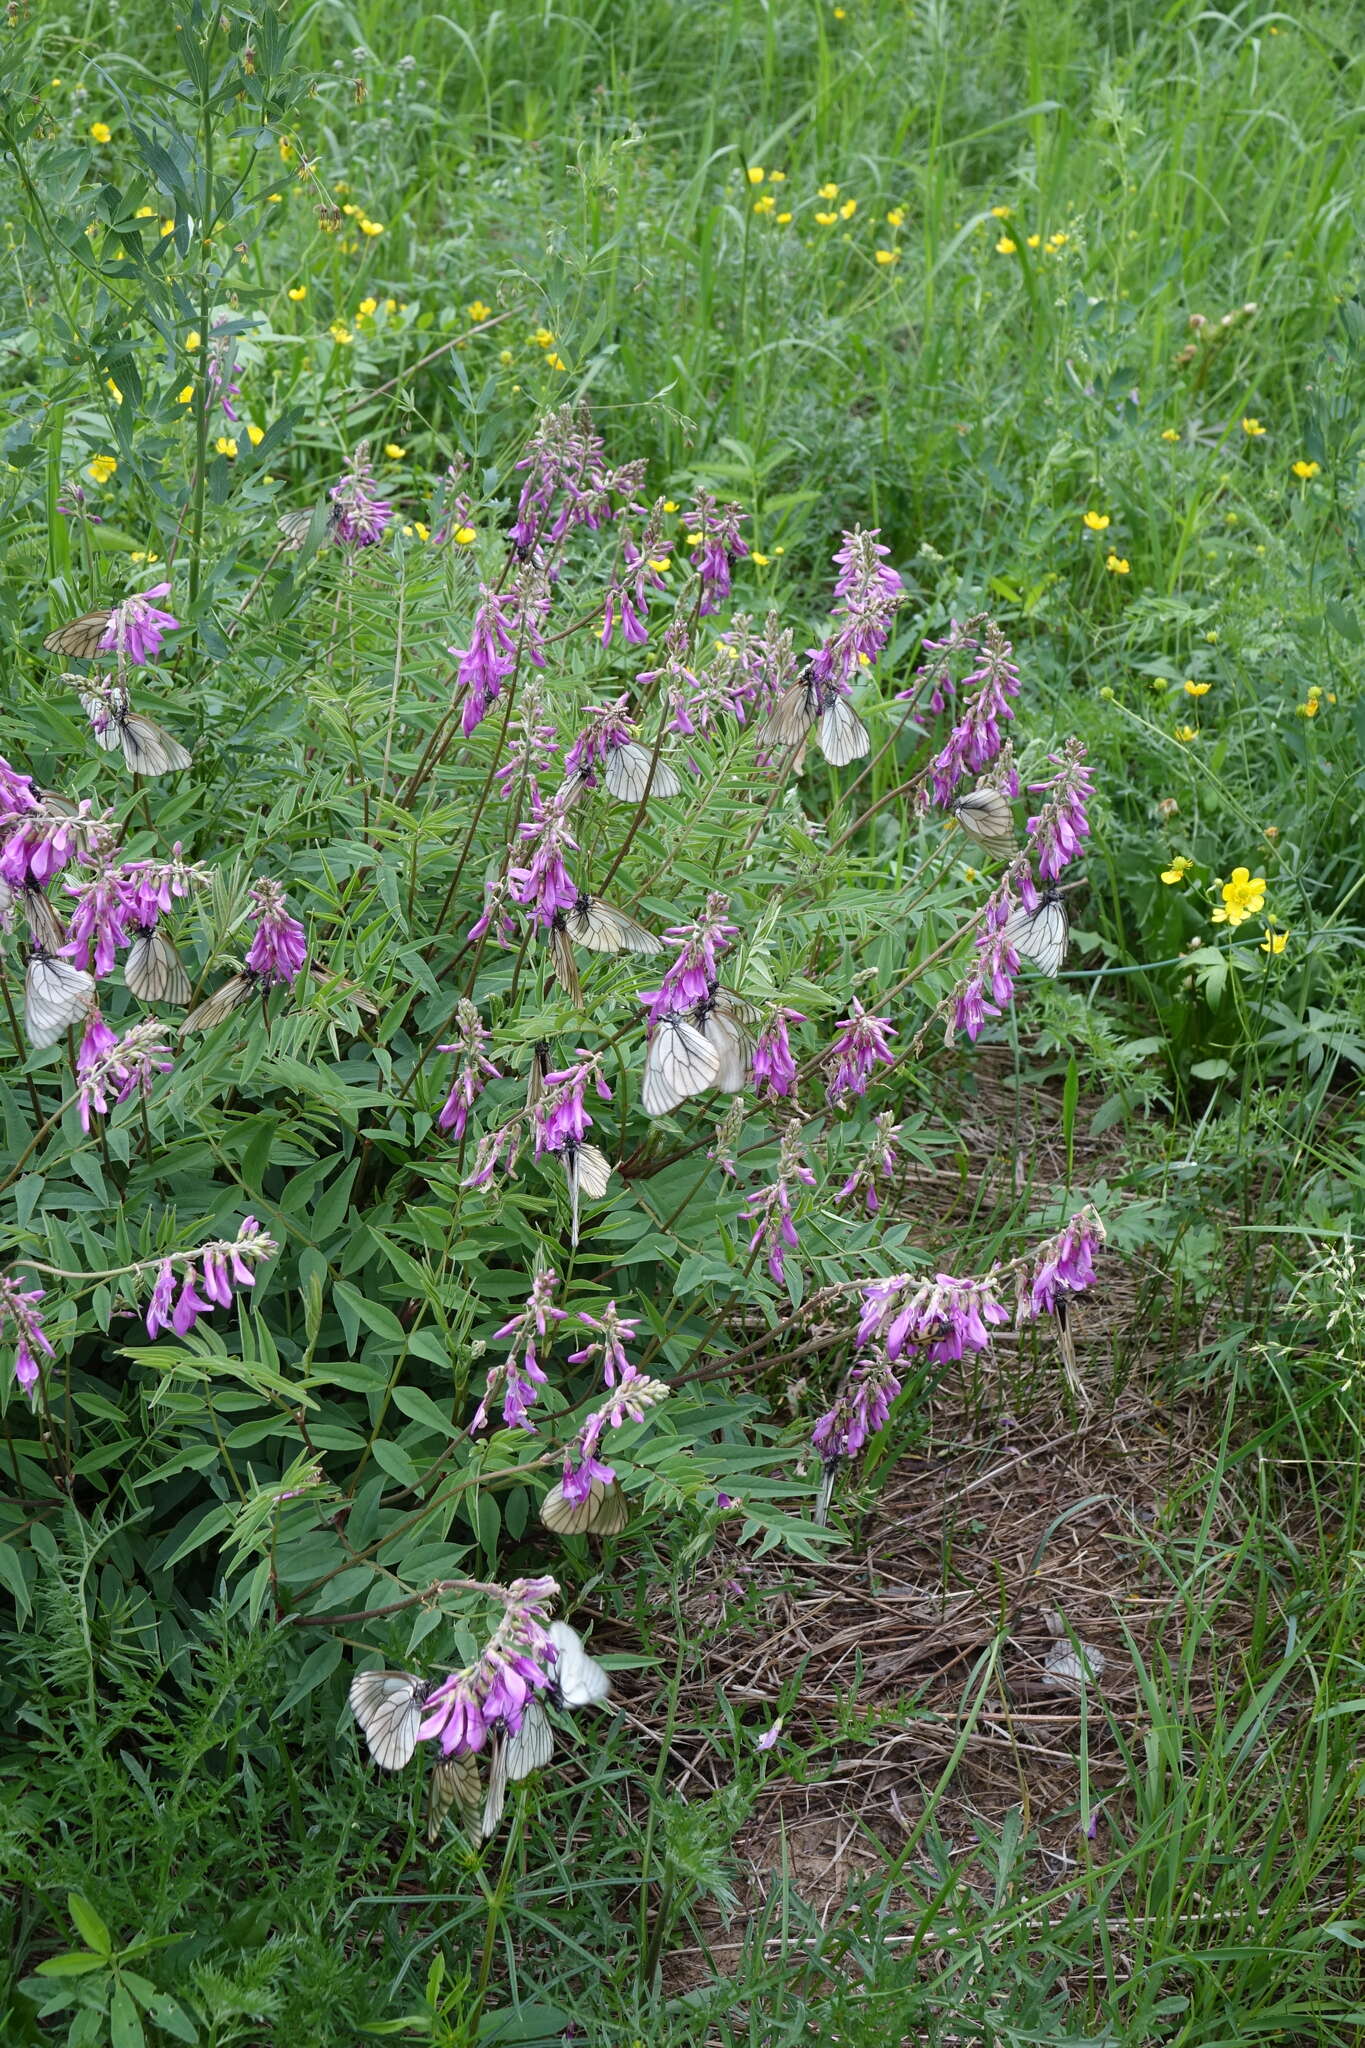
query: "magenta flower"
163, 1299
20, 1317
107, 1066
769, 1208
497, 1150
862, 1042
1059, 831
880, 1158
544, 885
220, 367
237, 1257
361, 516
976, 739
517, 1662
106, 905
867, 598
136, 628
863, 1405
774, 1069
559, 1116
473, 1073
1062, 1265
943, 1317
520, 1374
630, 1401
722, 545
628, 595
280, 949
40, 842
616, 1332
567, 482
692, 977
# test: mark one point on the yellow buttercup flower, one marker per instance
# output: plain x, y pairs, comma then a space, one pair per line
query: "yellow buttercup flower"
1252, 428
298, 293
145, 213
167, 228
1178, 869
1001, 212
754, 556
1006, 246
1186, 733
465, 536
827, 220
827, 192
670, 504
100, 131
225, 445
848, 209
101, 468
184, 396
477, 310
1274, 942
896, 217
1057, 241
767, 204
372, 227
272, 198
1306, 470
777, 177
1117, 565
888, 256
112, 387
1243, 896
394, 452
1033, 241
556, 362
1096, 521
1170, 434
1193, 689
783, 219
255, 435
340, 333
192, 339
755, 174
367, 306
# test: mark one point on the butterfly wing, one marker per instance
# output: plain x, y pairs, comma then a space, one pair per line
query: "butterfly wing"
531, 1748
579, 1679
588, 1173
149, 749
790, 719
104, 722
680, 1061
388, 1706
44, 925
153, 971
1042, 935
496, 1799
238, 989
986, 814
733, 1047
80, 637
626, 773
454, 1782
843, 736
605, 1511
56, 996
295, 527
565, 967
601, 928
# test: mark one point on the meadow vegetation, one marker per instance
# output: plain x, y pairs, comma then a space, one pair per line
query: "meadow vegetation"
617, 478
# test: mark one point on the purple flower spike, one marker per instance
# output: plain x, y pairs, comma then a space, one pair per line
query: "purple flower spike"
774, 1069
473, 1073
361, 516
862, 1042
136, 628
1059, 831
20, 1318
280, 949
769, 1209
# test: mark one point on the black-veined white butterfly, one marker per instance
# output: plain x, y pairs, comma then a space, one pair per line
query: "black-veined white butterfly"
44, 925
153, 970
455, 1782
721, 1020
1040, 935
679, 1061
829, 1472
604, 1512
842, 734
986, 814
588, 1173
148, 749
296, 526
603, 929
536, 1072
562, 960
626, 772
388, 1705
56, 996
1066, 1338
238, 989
514, 1757
80, 637
579, 1680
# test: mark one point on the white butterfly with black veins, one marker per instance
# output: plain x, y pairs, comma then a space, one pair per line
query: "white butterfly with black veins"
1040, 935
148, 748
604, 1511
625, 774
721, 1019
842, 735
236, 990
455, 1782
588, 1173
296, 526
153, 970
986, 814
680, 1060
579, 1680
56, 996
564, 964
601, 928
80, 637
514, 1757
388, 1705
44, 925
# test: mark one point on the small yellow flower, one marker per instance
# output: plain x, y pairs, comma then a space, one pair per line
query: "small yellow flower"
1117, 565
761, 560
366, 307
670, 504
167, 228
340, 333
693, 540
372, 227
841, 14
1096, 521
298, 293
417, 530
1178, 869
556, 362
101, 468
1186, 733
777, 177
826, 220
145, 213
1170, 433
184, 396
1033, 241
896, 217
755, 174
828, 192
1243, 897
390, 305
1006, 246
255, 435
543, 337
660, 563
783, 219
1274, 942
1193, 689
505, 355
1001, 212
272, 198
286, 151
192, 340
767, 204
1252, 428
848, 209
1311, 708
100, 131
394, 452
1306, 470
225, 445
350, 211
1057, 241
888, 256
112, 387
477, 310
465, 536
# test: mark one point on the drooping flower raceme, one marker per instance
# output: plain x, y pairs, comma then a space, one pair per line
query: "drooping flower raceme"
1061, 1265
1060, 829
774, 1069
863, 1041
220, 368
861, 1409
472, 1075
280, 948
868, 595
559, 1116
880, 1158
990, 985
943, 1317
176, 1302
520, 1374
615, 1332
769, 1208
976, 739
107, 1066
21, 1321
518, 1662
136, 628
361, 515
106, 889
631, 1399
721, 546
507, 627
544, 884
692, 977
